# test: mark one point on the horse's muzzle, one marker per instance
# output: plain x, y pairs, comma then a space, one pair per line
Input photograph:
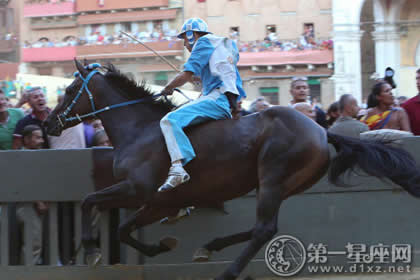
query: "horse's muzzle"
54, 126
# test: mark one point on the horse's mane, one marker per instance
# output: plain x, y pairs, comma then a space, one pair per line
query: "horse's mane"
132, 90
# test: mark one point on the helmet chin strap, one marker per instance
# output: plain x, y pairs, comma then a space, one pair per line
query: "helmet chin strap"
190, 37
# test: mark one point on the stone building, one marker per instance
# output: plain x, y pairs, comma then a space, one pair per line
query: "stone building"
9, 38
371, 35
282, 24
54, 32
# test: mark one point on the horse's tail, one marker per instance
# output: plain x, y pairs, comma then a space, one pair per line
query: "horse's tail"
376, 159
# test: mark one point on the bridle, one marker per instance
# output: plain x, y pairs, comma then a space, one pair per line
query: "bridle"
63, 119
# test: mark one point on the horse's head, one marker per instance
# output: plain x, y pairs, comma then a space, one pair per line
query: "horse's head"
78, 102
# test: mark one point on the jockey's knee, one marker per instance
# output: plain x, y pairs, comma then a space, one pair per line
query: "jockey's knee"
164, 122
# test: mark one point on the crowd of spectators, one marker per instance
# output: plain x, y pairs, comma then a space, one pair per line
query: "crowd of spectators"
22, 127
382, 116
271, 42
97, 38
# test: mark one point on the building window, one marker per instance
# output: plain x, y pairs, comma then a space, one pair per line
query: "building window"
315, 88
234, 33
161, 78
309, 30
270, 31
271, 94
47, 71
126, 26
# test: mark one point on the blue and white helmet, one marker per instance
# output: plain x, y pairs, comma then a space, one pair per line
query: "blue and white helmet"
191, 25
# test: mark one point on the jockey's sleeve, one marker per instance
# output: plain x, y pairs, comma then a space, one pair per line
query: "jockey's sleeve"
200, 56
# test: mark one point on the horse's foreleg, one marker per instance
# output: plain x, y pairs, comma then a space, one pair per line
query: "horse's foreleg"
142, 217
118, 193
217, 244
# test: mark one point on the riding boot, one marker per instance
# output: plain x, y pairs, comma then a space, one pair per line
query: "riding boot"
177, 176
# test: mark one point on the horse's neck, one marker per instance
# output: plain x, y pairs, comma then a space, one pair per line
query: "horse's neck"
124, 124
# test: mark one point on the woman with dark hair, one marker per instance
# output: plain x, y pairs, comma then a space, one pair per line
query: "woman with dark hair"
381, 113
332, 114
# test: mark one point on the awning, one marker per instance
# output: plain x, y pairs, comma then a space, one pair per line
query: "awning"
127, 16
286, 57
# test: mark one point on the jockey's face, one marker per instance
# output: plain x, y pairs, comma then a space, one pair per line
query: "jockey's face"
386, 96
186, 43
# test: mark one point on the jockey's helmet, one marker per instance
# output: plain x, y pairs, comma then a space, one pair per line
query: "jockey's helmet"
191, 25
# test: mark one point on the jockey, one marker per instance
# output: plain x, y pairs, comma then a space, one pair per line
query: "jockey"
214, 60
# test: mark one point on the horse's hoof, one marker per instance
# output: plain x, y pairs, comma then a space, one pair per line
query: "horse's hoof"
169, 242
182, 213
201, 255
93, 259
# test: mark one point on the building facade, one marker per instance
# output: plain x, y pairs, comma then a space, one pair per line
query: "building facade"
55, 32
9, 38
371, 35
278, 40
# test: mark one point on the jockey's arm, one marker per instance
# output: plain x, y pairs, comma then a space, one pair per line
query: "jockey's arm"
179, 80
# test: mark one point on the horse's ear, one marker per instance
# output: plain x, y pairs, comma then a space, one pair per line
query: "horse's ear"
80, 68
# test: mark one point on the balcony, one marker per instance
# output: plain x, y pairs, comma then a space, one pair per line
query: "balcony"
103, 5
127, 16
7, 46
48, 54
165, 48
8, 71
49, 9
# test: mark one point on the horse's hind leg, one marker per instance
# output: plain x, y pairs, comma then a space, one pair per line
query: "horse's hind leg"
269, 201
144, 216
217, 244
116, 194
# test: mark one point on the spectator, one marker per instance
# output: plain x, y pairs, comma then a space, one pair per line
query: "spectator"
299, 89
346, 124
70, 138
412, 107
258, 105
97, 125
90, 127
306, 109
39, 114
32, 139
9, 117
332, 114
401, 100
100, 139
381, 113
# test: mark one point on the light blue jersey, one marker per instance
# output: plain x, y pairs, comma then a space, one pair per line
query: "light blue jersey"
214, 60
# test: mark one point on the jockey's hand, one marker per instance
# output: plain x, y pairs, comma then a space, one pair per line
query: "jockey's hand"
167, 91
233, 105
236, 113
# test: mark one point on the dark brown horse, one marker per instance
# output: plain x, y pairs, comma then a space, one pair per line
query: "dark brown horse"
278, 151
